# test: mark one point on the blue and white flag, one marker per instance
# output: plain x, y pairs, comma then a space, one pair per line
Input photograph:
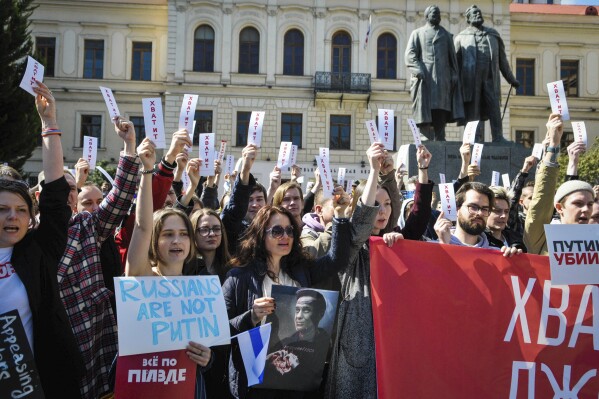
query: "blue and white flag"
253, 345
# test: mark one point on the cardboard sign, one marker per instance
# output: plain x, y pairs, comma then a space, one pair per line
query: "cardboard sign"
495, 179
573, 253
505, 179
207, 154
448, 201
158, 314
221, 151
293, 159
341, 176
154, 121
255, 128
537, 151
284, 154
110, 101
18, 373
373, 133
295, 362
580, 132
325, 176
387, 128
230, 164
187, 112
442, 178
155, 376
415, 132
402, 156
34, 71
90, 150
470, 132
557, 97
470, 323
477, 153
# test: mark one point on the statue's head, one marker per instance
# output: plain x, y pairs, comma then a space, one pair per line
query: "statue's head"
433, 15
474, 16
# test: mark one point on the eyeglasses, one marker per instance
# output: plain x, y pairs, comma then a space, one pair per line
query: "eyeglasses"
277, 231
205, 231
475, 209
500, 212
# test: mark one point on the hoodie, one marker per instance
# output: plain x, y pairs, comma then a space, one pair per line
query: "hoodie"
483, 242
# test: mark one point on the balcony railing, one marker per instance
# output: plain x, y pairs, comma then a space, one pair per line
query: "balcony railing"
342, 82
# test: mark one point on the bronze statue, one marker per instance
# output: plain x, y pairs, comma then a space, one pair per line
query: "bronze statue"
430, 57
481, 57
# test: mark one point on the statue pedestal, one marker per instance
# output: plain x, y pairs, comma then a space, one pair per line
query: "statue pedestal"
496, 157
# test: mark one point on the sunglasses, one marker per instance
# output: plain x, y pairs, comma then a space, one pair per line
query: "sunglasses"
277, 231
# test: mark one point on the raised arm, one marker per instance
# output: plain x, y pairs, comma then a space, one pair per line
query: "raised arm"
52, 156
138, 263
275, 182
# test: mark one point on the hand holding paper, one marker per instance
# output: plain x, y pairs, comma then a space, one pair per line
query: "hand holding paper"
46, 106
193, 171
34, 74
178, 142
376, 156
443, 228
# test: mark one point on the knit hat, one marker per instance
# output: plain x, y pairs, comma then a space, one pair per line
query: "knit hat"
572, 186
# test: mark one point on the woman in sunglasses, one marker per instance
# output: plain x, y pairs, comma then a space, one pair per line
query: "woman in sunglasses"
271, 253
161, 245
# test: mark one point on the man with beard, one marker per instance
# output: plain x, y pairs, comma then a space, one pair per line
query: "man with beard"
474, 202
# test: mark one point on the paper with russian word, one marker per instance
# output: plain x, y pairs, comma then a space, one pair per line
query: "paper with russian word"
448, 201
255, 128
110, 101
206, 154
505, 179
325, 176
222, 150
537, 151
580, 132
284, 154
477, 153
386, 124
341, 176
33, 72
187, 112
470, 132
154, 121
90, 150
415, 132
557, 98
373, 133
495, 179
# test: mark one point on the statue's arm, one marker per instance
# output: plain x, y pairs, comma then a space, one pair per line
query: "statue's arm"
413, 56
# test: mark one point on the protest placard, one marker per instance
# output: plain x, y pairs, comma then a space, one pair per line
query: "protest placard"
284, 154
298, 347
495, 179
154, 121
537, 151
557, 98
505, 179
206, 154
373, 133
230, 164
113, 109
222, 150
447, 198
19, 377
187, 112
33, 72
157, 314
341, 176
90, 150
470, 132
442, 178
580, 132
293, 159
415, 132
255, 128
573, 253
479, 325
401, 158
477, 153
386, 124
325, 176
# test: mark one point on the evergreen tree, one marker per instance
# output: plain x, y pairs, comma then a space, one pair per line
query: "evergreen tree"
588, 164
19, 122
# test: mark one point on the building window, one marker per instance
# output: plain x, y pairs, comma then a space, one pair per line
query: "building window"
243, 125
386, 57
293, 58
91, 125
526, 138
569, 74
341, 54
93, 63
141, 65
525, 73
203, 120
45, 50
140, 128
340, 132
249, 51
291, 128
203, 49
567, 139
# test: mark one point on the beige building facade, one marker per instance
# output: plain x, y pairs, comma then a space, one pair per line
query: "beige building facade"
304, 63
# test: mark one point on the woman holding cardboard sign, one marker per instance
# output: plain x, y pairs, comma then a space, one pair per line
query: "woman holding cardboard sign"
161, 244
271, 253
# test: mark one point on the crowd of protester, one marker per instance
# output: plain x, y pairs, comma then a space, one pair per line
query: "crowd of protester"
67, 238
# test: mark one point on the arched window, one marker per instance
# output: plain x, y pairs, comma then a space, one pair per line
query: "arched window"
386, 57
249, 51
341, 54
203, 49
293, 55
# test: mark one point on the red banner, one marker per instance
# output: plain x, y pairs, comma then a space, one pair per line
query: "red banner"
155, 376
456, 322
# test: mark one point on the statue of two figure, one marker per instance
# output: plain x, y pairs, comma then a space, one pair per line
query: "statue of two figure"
457, 79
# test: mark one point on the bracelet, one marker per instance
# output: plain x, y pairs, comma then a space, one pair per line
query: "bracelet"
422, 168
50, 130
146, 172
57, 133
554, 150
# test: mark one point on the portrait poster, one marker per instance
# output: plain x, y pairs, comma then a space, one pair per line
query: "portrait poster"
301, 336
